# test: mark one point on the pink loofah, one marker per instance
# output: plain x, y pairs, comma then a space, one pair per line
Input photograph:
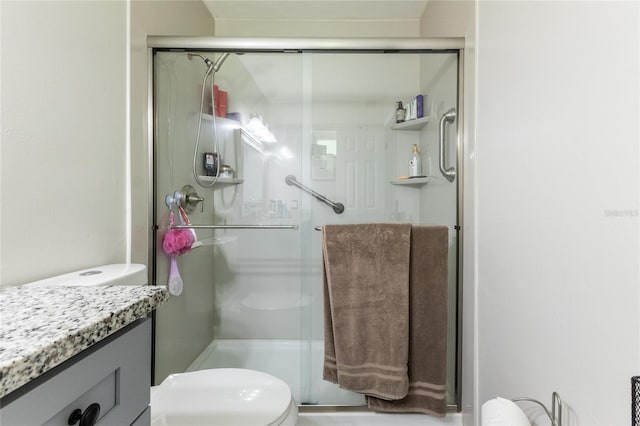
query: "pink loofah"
177, 241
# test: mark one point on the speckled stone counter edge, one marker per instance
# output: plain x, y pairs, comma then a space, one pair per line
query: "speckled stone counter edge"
26, 368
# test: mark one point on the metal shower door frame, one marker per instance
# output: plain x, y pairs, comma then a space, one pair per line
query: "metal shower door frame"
350, 45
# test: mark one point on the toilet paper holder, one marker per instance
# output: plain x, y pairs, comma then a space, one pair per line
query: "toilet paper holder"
555, 415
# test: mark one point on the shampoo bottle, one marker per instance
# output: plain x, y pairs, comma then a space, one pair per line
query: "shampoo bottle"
415, 162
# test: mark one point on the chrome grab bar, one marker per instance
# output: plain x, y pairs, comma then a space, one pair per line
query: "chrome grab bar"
294, 227
337, 207
448, 173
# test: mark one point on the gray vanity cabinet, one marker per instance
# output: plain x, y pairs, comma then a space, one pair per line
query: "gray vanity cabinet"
114, 373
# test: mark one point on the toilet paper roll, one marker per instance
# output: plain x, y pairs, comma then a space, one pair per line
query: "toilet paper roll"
503, 412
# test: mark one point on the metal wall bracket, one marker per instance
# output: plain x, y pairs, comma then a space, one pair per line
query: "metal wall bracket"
555, 415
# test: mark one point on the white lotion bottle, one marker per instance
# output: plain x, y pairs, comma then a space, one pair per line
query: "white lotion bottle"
415, 162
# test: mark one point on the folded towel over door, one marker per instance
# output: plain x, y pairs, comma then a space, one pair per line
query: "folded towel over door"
386, 309
428, 292
366, 271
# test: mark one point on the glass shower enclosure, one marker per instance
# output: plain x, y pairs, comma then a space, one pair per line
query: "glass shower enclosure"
295, 138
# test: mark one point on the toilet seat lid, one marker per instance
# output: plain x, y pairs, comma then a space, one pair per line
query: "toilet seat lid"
220, 396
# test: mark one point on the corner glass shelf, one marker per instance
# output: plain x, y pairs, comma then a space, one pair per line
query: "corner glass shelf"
210, 117
421, 181
416, 124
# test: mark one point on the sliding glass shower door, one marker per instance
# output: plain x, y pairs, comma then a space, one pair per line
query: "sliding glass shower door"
293, 136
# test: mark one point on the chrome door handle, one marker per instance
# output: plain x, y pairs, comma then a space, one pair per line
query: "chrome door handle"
448, 173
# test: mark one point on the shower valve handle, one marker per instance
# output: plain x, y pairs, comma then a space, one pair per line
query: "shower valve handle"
193, 201
188, 199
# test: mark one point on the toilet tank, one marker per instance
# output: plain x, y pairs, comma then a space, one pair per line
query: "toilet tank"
114, 274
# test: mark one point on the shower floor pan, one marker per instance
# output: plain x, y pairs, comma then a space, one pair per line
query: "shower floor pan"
298, 363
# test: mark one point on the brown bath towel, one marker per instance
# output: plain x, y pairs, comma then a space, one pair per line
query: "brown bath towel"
366, 290
427, 325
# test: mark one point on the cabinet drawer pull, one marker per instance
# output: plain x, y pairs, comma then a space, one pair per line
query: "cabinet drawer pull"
88, 418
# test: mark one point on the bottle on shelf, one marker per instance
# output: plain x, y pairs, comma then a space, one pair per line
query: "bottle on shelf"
400, 112
415, 162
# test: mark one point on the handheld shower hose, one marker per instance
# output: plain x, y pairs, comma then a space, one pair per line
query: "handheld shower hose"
212, 68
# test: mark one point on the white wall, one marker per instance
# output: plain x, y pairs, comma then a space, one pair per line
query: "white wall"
287, 27
64, 95
457, 19
63, 137
167, 17
557, 204
316, 28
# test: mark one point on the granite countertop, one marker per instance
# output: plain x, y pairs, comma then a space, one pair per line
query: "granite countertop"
41, 327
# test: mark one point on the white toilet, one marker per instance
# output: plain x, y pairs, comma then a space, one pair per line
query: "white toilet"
114, 274
224, 397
